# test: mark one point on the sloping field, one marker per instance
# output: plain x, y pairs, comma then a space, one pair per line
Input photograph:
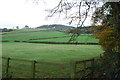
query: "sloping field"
32, 35
27, 34
49, 52
81, 39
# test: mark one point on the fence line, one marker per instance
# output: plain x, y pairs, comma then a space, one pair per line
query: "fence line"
57, 42
73, 66
50, 38
84, 62
4, 41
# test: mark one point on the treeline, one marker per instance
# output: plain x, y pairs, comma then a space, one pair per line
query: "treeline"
5, 30
80, 30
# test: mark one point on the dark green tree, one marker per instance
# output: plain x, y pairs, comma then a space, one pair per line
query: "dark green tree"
26, 27
108, 34
17, 27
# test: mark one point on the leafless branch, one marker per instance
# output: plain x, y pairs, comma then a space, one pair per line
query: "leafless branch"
80, 15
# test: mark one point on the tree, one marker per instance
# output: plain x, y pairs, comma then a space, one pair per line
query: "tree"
108, 15
17, 27
109, 31
26, 27
108, 34
76, 11
79, 15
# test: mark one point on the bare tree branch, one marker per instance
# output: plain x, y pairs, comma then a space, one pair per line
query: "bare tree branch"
81, 11
80, 15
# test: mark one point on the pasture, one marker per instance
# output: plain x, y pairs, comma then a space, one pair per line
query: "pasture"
21, 35
81, 39
50, 53
31, 35
26, 35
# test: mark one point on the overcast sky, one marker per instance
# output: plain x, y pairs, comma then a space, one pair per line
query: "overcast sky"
24, 12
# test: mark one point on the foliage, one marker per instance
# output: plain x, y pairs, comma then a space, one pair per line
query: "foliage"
108, 68
26, 27
17, 27
108, 34
107, 39
6, 30
76, 12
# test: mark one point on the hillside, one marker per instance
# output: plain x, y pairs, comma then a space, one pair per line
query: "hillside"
56, 27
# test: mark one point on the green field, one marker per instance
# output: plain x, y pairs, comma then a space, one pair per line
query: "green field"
81, 39
25, 35
31, 35
61, 54
51, 53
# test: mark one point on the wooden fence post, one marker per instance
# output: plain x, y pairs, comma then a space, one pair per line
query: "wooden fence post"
84, 64
33, 69
7, 67
92, 65
73, 70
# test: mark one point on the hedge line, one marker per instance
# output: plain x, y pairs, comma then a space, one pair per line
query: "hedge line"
4, 41
57, 42
50, 38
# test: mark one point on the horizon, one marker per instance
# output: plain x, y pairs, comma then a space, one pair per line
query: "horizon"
39, 26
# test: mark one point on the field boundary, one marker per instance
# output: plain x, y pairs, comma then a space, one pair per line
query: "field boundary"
57, 42
4, 41
26, 32
72, 65
50, 38
53, 37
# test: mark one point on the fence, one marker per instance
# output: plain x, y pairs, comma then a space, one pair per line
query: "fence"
21, 68
84, 69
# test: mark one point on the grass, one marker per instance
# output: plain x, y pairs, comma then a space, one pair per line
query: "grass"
52, 53
49, 52
31, 35
62, 54
81, 39
26, 34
